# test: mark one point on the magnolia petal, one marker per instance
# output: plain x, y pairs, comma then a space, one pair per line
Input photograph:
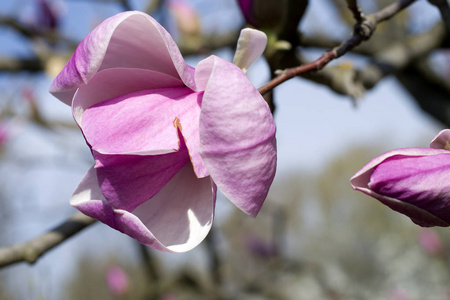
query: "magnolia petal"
250, 46
138, 123
203, 72
237, 135
441, 140
126, 40
422, 212
145, 123
176, 220
127, 181
181, 214
421, 181
187, 121
111, 83
88, 199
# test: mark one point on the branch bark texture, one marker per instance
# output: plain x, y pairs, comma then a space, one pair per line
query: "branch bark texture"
30, 251
362, 31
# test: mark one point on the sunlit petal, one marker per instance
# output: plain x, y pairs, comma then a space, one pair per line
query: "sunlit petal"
237, 135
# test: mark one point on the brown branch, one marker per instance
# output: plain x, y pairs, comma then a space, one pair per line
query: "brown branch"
31, 250
428, 89
391, 10
362, 32
356, 10
21, 64
17, 26
153, 6
33, 34
393, 59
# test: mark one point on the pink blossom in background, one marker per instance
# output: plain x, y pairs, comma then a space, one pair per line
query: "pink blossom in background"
42, 15
164, 135
398, 294
47, 16
28, 95
4, 134
186, 18
261, 248
412, 181
117, 280
430, 242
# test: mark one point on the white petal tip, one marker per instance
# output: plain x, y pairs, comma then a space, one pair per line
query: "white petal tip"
250, 46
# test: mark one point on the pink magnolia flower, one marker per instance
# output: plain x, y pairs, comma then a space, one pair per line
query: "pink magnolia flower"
412, 181
259, 247
398, 294
164, 135
117, 280
430, 241
48, 17
187, 19
4, 134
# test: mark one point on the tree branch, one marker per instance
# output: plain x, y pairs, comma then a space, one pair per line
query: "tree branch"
33, 34
362, 32
356, 10
425, 87
391, 10
21, 64
31, 250
346, 80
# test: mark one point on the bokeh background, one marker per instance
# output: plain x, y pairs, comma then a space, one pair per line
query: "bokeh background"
315, 237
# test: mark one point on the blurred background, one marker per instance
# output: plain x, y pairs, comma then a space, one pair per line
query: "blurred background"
315, 237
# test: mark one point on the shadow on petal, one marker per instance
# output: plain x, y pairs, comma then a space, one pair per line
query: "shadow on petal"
181, 214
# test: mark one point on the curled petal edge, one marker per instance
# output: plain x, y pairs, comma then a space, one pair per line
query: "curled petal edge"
89, 57
441, 140
89, 199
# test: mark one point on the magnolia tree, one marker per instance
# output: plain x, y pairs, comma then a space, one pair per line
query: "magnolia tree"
166, 137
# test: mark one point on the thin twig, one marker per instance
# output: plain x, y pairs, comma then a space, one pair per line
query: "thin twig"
17, 26
353, 82
362, 32
34, 64
30, 251
391, 10
153, 6
356, 10
33, 34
